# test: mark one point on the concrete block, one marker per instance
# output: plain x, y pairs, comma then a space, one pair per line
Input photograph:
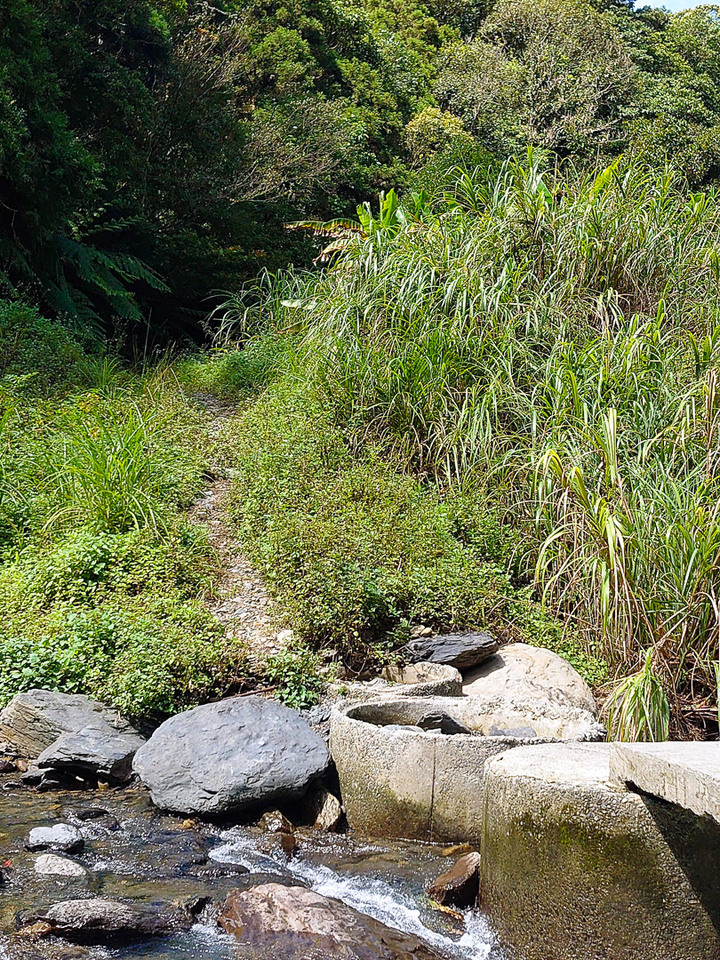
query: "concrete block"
682, 772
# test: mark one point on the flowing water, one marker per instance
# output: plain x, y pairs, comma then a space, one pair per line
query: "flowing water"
134, 852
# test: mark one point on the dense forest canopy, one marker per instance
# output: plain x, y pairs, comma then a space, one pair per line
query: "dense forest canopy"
151, 151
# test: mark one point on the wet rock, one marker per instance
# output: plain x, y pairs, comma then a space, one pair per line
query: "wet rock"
7, 766
90, 813
215, 870
96, 751
460, 650
229, 756
324, 810
34, 720
295, 923
31, 777
275, 822
280, 834
459, 886
100, 920
49, 864
62, 836
519, 671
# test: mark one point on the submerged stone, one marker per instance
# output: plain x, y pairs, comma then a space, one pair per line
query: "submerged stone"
295, 923
100, 920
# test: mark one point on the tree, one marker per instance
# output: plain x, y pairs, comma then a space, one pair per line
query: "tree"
554, 73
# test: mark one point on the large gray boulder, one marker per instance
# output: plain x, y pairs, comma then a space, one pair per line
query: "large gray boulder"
460, 650
295, 923
229, 756
519, 671
70, 733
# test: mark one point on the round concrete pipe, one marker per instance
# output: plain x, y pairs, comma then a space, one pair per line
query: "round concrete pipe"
574, 867
400, 780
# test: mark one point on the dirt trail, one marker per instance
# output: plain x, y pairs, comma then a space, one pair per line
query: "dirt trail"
241, 603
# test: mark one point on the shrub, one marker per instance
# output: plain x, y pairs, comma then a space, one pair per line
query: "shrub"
549, 340
355, 551
36, 354
117, 616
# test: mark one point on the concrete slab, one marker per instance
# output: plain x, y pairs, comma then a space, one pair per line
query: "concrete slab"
574, 867
682, 772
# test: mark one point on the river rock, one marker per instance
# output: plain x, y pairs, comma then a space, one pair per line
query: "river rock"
34, 720
62, 836
460, 650
460, 884
295, 923
229, 756
49, 864
93, 751
519, 671
100, 920
328, 812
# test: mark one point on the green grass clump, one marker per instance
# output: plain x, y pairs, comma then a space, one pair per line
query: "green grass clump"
355, 551
551, 340
102, 574
117, 616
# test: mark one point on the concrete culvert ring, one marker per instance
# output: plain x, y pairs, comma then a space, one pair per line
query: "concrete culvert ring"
415, 766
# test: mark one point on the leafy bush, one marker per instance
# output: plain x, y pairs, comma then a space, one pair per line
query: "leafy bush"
548, 340
36, 354
355, 551
295, 672
116, 616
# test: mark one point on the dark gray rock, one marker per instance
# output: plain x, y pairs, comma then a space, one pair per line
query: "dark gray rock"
460, 650
33, 720
99, 920
443, 723
229, 756
93, 751
62, 837
71, 733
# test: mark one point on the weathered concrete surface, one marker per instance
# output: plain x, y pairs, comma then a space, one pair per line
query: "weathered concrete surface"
575, 867
399, 780
519, 670
424, 680
681, 772
410, 680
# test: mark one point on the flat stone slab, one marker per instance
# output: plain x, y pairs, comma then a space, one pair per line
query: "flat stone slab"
683, 772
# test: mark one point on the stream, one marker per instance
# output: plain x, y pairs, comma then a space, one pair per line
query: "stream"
135, 852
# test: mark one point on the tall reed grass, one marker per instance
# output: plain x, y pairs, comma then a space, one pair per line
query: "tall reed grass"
557, 336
